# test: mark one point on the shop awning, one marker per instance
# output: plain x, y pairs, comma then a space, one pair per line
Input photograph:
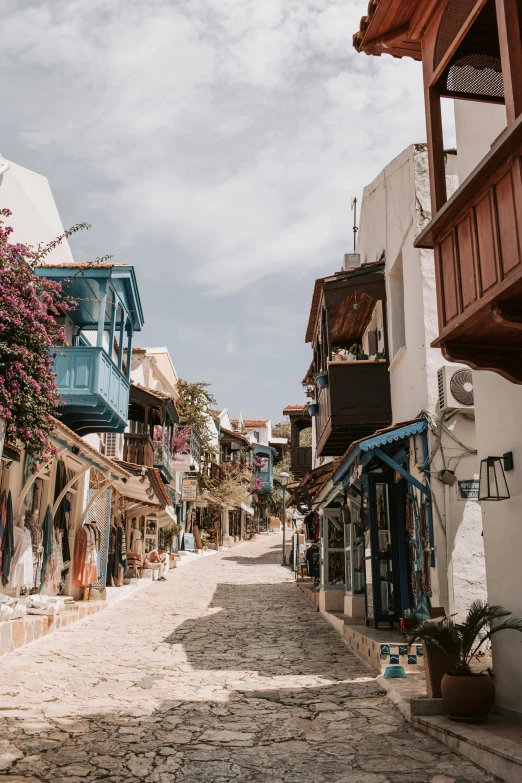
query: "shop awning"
247, 509
375, 443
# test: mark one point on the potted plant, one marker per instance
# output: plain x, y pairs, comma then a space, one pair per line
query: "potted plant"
468, 695
322, 380
357, 352
313, 408
337, 355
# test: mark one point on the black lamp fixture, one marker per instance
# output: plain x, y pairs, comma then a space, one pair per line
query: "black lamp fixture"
493, 484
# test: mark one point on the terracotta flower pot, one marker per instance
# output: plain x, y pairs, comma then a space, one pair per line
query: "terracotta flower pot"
468, 698
436, 664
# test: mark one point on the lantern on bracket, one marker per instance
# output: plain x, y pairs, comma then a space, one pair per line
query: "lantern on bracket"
493, 484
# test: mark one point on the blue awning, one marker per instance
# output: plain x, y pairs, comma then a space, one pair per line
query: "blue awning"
391, 435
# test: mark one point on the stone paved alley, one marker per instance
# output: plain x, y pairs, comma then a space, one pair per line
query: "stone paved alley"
223, 673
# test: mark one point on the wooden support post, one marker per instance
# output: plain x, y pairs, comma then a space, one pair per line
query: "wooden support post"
101, 313
113, 323
120, 346
508, 22
436, 157
129, 331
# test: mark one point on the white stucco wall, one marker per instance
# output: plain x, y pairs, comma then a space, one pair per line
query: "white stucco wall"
499, 429
35, 217
395, 208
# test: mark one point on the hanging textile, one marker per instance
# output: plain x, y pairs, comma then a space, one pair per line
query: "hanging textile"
63, 476
112, 562
3, 513
410, 520
22, 560
85, 557
123, 548
7, 541
47, 543
424, 532
37, 544
426, 572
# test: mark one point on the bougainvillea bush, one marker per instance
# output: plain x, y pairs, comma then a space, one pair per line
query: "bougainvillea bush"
28, 333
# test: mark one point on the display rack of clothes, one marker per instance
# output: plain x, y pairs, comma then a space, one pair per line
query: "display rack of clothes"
312, 526
6, 535
117, 558
86, 558
313, 561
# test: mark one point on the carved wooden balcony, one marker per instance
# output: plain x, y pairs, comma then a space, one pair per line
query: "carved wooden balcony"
355, 403
138, 449
477, 238
300, 460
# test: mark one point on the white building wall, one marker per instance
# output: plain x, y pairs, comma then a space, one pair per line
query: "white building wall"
35, 217
395, 208
499, 429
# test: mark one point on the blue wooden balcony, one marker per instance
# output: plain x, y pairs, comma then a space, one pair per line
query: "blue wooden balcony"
89, 375
94, 391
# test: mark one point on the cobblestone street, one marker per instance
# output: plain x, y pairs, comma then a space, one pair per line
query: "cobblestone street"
222, 673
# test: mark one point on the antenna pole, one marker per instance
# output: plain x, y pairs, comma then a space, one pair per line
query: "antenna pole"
354, 207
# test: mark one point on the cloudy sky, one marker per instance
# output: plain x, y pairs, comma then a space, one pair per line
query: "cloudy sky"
215, 145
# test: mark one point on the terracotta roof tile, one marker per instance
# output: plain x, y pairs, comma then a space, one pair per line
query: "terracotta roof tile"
82, 444
302, 408
254, 422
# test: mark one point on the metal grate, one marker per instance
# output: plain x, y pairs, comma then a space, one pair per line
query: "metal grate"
477, 74
101, 512
456, 13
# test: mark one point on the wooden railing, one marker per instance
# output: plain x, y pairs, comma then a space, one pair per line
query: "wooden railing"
138, 449
356, 402
477, 238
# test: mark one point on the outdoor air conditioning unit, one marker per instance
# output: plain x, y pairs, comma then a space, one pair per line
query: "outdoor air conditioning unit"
455, 387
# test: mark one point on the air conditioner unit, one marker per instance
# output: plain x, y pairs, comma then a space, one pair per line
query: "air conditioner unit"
113, 444
455, 386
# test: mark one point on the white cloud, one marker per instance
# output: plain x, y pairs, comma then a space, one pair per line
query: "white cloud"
236, 130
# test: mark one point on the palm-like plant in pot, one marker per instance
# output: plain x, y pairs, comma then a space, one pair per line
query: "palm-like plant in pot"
467, 695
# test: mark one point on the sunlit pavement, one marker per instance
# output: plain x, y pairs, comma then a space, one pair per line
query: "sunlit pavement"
224, 672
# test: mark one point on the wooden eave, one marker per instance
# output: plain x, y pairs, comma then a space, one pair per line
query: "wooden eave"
394, 27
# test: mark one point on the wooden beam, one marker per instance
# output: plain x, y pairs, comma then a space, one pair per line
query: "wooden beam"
436, 157
510, 55
507, 314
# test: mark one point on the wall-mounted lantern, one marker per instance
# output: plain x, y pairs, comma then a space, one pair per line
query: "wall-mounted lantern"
493, 484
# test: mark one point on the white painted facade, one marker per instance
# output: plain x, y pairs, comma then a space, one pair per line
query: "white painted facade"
395, 207
35, 219
499, 429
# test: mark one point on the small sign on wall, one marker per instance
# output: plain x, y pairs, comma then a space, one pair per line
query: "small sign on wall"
468, 489
189, 489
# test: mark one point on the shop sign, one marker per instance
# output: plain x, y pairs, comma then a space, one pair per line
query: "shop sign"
468, 489
188, 540
189, 489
